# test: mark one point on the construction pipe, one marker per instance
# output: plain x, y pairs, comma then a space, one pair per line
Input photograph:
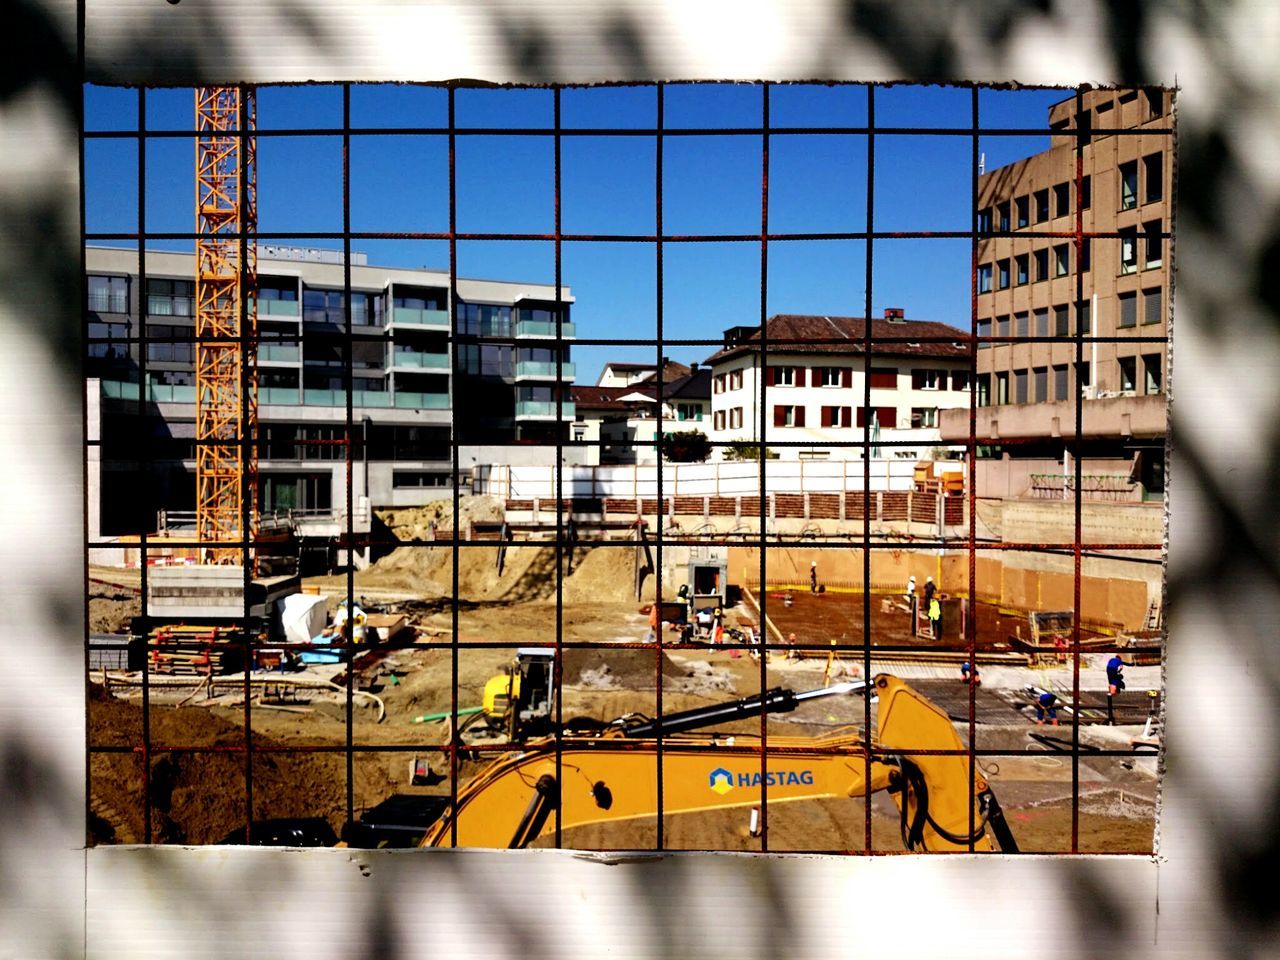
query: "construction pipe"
446, 714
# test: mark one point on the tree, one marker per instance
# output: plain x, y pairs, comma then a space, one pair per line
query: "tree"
689, 446
748, 452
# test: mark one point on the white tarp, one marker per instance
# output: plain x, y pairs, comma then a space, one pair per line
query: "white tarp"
302, 616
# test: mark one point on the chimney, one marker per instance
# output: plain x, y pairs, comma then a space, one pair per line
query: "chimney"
693, 368
893, 314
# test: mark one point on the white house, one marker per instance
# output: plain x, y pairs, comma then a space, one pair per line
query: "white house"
814, 386
623, 420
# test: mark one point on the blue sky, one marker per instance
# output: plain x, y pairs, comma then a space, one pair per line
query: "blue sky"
711, 185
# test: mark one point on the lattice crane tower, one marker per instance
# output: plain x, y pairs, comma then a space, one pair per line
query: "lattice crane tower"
226, 322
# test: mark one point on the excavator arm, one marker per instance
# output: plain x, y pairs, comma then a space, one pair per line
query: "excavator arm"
614, 777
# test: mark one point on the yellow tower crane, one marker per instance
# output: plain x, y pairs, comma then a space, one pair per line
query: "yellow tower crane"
226, 323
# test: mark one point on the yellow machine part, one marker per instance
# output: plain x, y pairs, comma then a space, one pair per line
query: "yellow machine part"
499, 693
608, 779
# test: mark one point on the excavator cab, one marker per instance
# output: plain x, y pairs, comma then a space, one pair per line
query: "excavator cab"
520, 702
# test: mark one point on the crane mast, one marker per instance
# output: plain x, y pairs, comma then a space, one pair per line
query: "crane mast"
226, 328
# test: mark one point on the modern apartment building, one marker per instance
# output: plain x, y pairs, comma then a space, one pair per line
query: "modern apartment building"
813, 380
416, 360
1111, 290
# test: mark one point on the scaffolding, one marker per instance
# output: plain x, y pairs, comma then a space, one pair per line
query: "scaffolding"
226, 323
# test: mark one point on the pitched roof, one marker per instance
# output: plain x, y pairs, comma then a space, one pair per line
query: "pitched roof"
671, 369
695, 386
591, 397
796, 333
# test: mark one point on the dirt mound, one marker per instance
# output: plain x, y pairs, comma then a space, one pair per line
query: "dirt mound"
528, 573
632, 669
419, 523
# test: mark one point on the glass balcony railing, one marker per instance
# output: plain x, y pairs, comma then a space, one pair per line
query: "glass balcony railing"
420, 318
422, 401
526, 369
277, 308
544, 329
169, 393
290, 396
279, 353
419, 360
545, 408
338, 398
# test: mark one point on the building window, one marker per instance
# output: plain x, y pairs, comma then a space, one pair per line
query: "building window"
833, 377
837, 416
785, 377
688, 411
1061, 199
717, 420
735, 418
924, 417
1155, 103
886, 418
1151, 312
1083, 316
1061, 259
1154, 244
1040, 384
168, 344
109, 294
1061, 321
1002, 325
1151, 373
928, 380
1153, 175
1129, 185
884, 377
1022, 206
1042, 322
1020, 386
1020, 324
984, 389
1086, 257
1042, 264
1002, 388
1060, 382
984, 330
735, 379
1086, 192
1128, 374
984, 220
1128, 309
417, 478
1042, 205
984, 278
717, 383
1023, 267
1006, 222
1002, 274
788, 416
1084, 376
171, 298
1129, 250
959, 379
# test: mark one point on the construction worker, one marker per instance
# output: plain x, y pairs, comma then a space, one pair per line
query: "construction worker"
969, 674
1046, 705
910, 594
350, 613
652, 635
1115, 683
935, 618
813, 577
930, 588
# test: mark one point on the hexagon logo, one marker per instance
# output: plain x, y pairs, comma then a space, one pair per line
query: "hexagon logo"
721, 780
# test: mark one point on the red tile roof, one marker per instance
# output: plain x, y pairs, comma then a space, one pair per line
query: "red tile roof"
793, 333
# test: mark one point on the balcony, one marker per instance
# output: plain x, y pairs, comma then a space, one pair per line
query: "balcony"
544, 410
279, 353
338, 398
422, 401
289, 396
277, 308
545, 330
543, 370
417, 360
1112, 418
413, 317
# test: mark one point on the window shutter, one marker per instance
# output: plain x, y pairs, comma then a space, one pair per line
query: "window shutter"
799, 376
799, 416
779, 416
769, 376
942, 379
826, 416
917, 379
846, 377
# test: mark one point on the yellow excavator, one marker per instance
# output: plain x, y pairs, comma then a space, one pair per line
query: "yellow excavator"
610, 774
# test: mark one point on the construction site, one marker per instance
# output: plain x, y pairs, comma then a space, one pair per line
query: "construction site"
918, 669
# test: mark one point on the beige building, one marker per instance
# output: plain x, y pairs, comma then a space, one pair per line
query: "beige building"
1081, 255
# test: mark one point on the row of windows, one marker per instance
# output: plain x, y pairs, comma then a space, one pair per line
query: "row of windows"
832, 417
880, 377
1055, 321
1048, 384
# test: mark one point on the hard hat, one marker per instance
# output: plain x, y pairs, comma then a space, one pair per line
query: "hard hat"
814, 563
928, 579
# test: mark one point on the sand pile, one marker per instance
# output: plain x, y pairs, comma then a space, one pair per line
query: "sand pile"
415, 523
